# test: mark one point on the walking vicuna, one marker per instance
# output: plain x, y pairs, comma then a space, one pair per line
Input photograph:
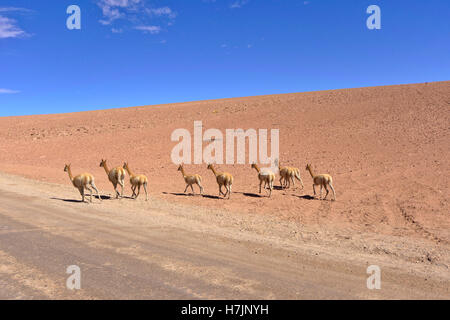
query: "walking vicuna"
137, 181
223, 179
287, 175
82, 182
268, 177
322, 180
191, 179
116, 176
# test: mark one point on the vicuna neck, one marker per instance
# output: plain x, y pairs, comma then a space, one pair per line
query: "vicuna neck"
128, 170
69, 171
182, 172
105, 166
310, 171
257, 168
214, 170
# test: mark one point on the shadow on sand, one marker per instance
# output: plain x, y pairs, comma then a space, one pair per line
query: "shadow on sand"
86, 198
252, 195
180, 194
192, 195
211, 196
306, 197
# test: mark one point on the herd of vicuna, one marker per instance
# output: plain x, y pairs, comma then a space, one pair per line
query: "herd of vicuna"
117, 176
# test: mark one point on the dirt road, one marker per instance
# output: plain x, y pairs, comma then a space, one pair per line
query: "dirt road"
157, 250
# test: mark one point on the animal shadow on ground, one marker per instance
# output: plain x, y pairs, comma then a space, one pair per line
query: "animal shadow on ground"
192, 195
180, 194
306, 196
278, 188
124, 197
252, 195
80, 201
211, 196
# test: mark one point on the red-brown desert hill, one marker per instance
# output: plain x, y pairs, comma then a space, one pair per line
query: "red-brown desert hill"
387, 149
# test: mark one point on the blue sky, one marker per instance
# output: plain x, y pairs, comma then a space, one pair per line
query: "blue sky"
141, 52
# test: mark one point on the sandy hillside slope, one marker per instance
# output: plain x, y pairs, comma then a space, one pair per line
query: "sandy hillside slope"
387, 149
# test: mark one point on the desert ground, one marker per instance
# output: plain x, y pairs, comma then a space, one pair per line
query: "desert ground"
387, 149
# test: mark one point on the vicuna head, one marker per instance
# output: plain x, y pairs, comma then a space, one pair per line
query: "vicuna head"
308, 167
67, 168
102, 163
209, 166
125, 165
180, 167
253, 165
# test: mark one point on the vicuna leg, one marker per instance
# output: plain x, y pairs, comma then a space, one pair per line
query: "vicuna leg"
82, 193
187, 186
334, 193
326, 188
146, 193
115, 189
139, 191
314, 189
96, 190
229, 191
90, 193
122, 184
225, 194
200, 186
320, 195
192, 188
301, 182
260, 183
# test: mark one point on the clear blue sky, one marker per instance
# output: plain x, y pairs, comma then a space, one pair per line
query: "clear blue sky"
140, 52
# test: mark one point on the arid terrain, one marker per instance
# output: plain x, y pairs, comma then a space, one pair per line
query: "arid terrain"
387, 149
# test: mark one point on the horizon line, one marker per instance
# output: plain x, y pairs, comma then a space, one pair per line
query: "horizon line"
218, 99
